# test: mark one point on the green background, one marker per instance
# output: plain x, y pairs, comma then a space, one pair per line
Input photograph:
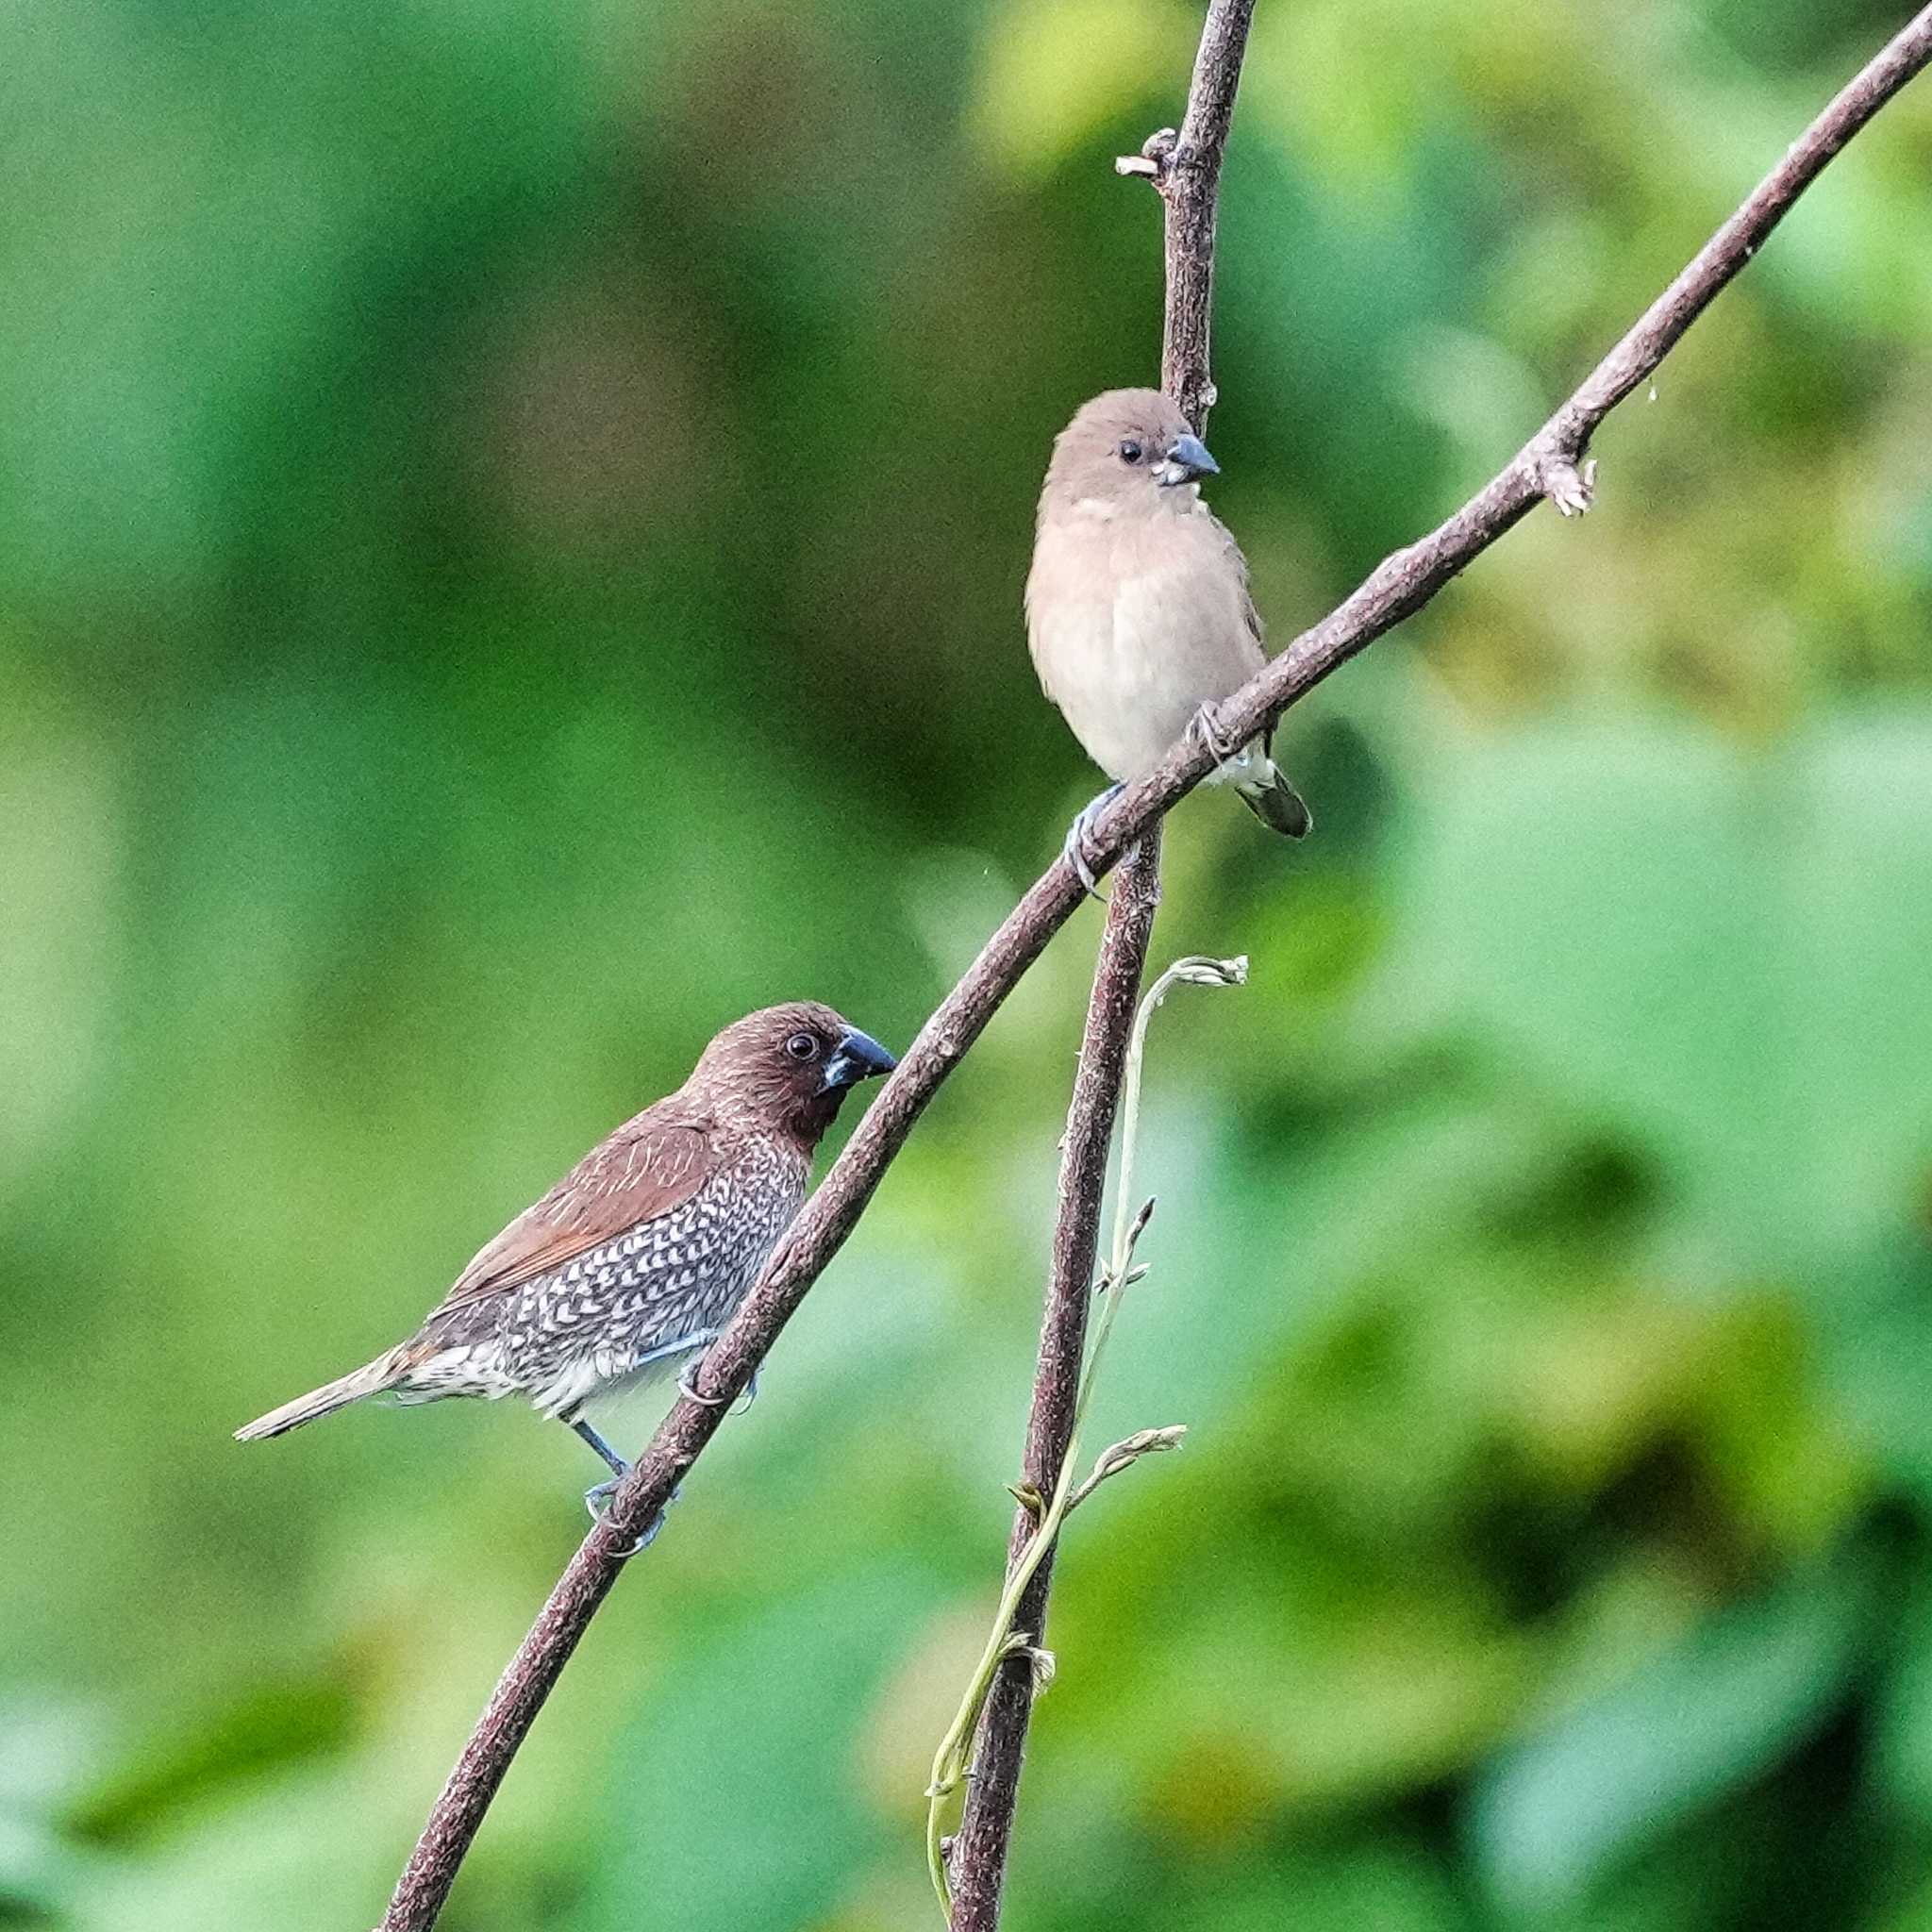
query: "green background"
512, 526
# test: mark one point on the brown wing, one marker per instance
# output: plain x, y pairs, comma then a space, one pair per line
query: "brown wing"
647, 1168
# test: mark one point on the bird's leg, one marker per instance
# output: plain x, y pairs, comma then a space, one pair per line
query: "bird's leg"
597, 1498
1205, 727
619, 1467
1075, 848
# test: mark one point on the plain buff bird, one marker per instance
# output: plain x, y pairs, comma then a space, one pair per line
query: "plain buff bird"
1138, 611
634, 1261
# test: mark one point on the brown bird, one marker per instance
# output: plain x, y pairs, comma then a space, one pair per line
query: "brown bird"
1138, 611
634, 1261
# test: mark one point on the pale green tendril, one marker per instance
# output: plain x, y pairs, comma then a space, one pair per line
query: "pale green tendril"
1117, 1275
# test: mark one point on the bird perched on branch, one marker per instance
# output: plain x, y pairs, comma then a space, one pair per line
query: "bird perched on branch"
1138, 612
634, 1261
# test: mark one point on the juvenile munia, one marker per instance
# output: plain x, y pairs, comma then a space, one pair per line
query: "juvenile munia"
1138, 611
633, 1262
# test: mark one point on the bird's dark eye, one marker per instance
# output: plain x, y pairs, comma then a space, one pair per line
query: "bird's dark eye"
803, 1047
1131, 451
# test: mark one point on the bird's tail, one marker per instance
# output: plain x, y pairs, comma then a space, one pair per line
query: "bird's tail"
370, 1379
1268, 794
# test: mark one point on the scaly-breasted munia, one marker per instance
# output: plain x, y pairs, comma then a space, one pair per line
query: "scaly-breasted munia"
1138, 611
636, 1258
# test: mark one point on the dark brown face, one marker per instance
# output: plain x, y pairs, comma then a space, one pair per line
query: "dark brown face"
787, 1068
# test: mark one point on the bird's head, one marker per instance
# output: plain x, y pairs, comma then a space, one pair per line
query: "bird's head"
785, 1068
1128, 451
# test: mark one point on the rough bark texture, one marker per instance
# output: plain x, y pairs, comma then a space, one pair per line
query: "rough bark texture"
976, 1867
1188, 174
1551, 463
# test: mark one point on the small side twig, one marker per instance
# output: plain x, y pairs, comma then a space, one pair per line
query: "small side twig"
1124, 1455
1034, 1534
999, 1703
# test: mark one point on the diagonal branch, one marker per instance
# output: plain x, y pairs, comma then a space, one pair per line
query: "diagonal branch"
1550, 463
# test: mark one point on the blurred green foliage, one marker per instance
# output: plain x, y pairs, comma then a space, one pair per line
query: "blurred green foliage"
514, 520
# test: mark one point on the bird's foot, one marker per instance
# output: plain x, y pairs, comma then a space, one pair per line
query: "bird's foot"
1205, 729
597, 1501
1074, 850
686, 1389
597, 1498
693, 1393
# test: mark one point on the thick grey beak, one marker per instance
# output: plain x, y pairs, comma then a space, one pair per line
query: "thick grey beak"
1186, 460
1192, 451
858, 1056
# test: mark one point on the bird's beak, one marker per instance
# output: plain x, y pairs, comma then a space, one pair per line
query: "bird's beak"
858, 1056
1187, 459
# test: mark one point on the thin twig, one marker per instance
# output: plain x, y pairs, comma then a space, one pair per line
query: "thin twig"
1124, 1455
1399, 586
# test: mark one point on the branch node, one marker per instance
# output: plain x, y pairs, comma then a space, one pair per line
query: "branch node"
1040, 1660
1156, 161
1571, 486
